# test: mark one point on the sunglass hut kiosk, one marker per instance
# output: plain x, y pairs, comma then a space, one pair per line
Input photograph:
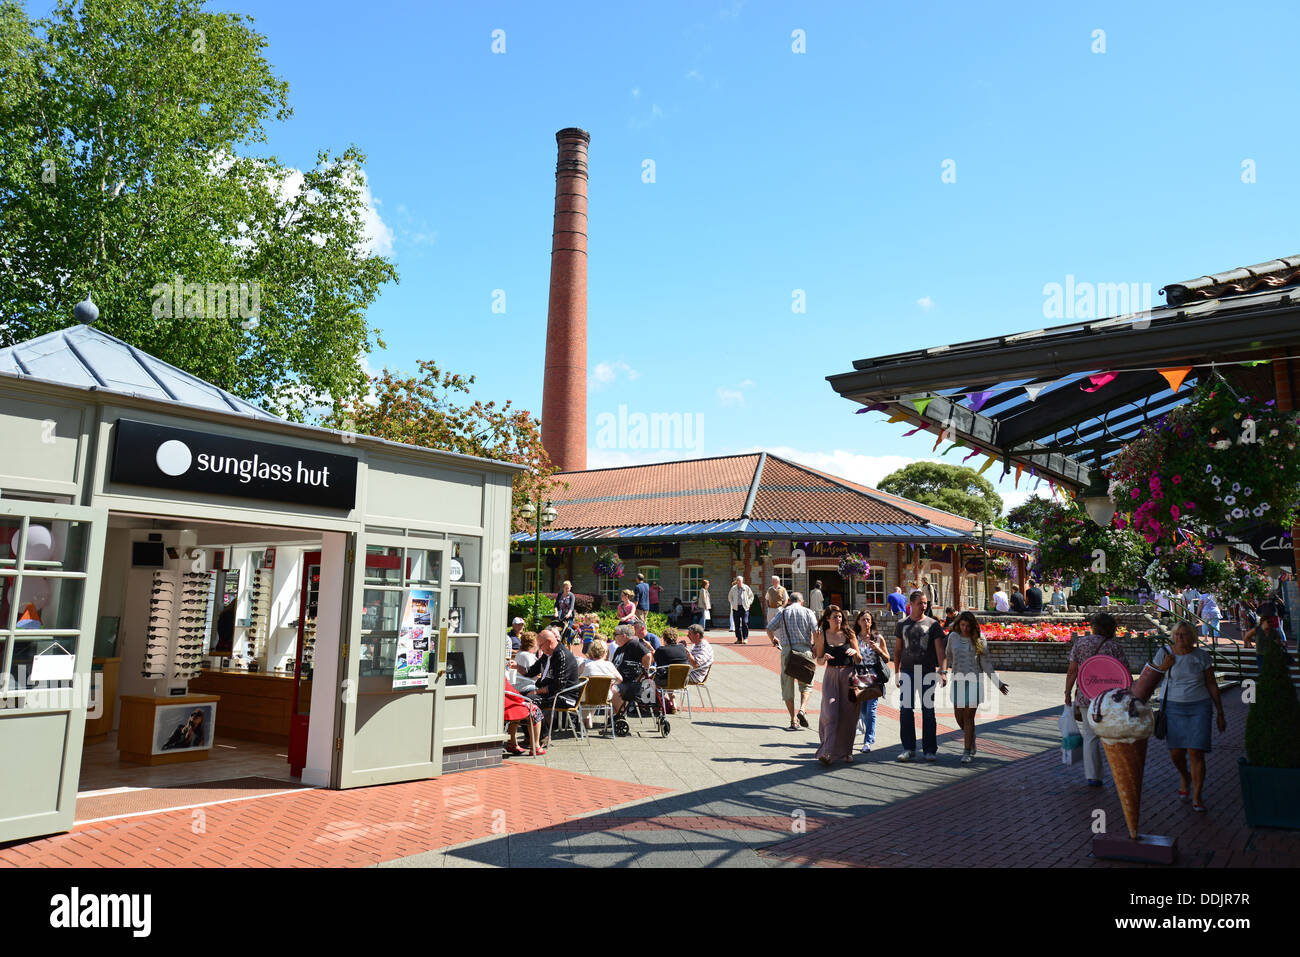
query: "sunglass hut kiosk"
117, 468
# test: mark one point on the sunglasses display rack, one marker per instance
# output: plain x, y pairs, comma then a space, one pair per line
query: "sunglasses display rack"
308, 641
259, 613
180, 610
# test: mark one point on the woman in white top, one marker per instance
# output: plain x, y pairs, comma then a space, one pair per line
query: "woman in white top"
597, 666
1210, 614
524, 659
968, 656
703, 604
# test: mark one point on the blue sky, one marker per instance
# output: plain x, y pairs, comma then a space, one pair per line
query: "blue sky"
778, 171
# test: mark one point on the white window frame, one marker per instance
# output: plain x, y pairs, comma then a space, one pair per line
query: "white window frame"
876, 578
690, 582
530, 579
786, 573
610, 589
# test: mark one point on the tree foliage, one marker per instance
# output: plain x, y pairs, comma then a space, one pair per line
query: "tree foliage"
424, 410
953, 488
126, 137
1028, 517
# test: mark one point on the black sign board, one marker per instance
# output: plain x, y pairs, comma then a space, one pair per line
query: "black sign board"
456, 668
974, 565
162, 457
650, 550
1274, 546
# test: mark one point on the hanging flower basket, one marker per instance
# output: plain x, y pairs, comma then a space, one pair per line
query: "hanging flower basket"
854, 565
1189, 564
999, 566
1220, 464
1249, 581
608, 563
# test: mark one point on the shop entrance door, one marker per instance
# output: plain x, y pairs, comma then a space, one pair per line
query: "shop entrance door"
391, 705
50, 562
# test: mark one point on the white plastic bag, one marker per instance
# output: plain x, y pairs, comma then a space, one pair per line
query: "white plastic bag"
1071, 737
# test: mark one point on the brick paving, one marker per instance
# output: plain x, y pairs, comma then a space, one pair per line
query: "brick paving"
732, 788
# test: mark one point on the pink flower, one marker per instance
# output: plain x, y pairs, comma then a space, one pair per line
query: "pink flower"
1173, 510
1133, 494
1178, 480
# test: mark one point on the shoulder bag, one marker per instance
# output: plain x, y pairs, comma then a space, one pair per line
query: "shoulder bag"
801, 669
1162, 715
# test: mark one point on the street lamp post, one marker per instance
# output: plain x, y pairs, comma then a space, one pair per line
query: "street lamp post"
545, 514
983, 533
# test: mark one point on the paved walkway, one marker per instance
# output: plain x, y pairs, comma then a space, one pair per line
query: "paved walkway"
733, 788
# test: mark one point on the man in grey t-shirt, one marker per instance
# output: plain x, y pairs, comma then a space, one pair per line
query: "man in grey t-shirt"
791, 629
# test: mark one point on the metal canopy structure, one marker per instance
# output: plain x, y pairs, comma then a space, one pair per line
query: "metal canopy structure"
1060, 402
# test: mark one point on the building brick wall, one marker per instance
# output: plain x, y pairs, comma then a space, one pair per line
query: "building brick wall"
470, 756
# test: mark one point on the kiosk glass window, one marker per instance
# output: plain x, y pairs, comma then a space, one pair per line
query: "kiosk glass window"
383, 607
466, 552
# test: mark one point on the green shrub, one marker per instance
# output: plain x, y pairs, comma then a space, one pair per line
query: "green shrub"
521, 606
1271, 739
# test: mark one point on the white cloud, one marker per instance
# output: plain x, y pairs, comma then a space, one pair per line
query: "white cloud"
377, 236
636, 91
926, 303
730, 396
607, 373
693, 75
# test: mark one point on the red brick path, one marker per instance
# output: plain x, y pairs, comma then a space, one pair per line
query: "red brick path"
321, 828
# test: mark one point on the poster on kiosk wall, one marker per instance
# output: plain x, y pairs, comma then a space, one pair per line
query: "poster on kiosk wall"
414, 639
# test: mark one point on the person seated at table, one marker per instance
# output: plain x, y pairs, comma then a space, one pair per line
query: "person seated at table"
1001, 602
596, 665
1034, 599
1018, 606
671, 652
554, 672
949, 616
678, 611
630, 657
644, 635
515, 633
519, 707
524, 659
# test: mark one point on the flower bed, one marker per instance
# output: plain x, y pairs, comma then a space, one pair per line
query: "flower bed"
1045, 632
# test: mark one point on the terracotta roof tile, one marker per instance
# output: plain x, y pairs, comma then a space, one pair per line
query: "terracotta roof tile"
792, 493
702, 490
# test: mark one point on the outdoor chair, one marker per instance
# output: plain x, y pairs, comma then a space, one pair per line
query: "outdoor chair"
701, 688
676, 681
557, 708
595, 697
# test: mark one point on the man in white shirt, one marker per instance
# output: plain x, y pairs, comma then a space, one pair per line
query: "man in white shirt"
1001, 602
698, 652
816, 601
1162, 601
739, 598
1210, 614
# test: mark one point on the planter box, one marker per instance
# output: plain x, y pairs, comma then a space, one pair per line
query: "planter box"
1271, 796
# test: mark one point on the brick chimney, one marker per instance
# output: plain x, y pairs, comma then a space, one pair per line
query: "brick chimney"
564, 388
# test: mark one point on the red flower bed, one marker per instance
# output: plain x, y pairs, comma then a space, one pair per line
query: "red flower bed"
1045, 631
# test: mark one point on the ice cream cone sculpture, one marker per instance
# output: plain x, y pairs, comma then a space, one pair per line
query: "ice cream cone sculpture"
1124, 723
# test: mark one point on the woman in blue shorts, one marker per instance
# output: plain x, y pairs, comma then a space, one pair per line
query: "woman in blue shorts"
1189, 691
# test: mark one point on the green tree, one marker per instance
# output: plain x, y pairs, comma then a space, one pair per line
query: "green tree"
953, 488
1027, 518
424, 410
126, 137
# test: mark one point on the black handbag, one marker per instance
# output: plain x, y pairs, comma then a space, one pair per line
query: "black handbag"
1162, 715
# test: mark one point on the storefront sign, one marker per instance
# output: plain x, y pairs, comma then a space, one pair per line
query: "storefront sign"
162, 457
414, 654
1274, 546
974, 565
650, 550
830, 549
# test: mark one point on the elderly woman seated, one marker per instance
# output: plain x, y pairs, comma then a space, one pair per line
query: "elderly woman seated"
596, 665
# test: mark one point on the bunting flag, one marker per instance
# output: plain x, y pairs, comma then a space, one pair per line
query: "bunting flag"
956, 445
898, 417
919, 428
1020, 467
1034, 389
974, 452
1257, 362
922, 403
1175, 376
1099, 380
986, 466
874, 407
979, 399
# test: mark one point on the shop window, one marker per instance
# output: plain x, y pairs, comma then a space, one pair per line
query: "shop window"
467, 553
383, 565
423, 567
692, 577
462, 614
611, 589
870, 590
530, 579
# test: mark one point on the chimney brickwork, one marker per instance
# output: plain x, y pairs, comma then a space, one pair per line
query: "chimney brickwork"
564, 387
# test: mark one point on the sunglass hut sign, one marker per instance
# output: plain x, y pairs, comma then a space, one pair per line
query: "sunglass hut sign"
162, 457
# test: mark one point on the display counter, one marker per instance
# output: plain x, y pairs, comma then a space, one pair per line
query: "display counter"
168, 730
255, 706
